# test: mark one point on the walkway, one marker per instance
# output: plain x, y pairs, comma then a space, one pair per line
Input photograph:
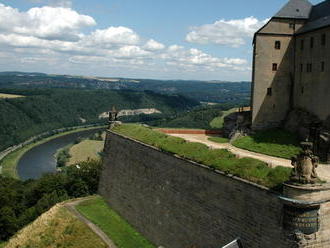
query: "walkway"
71, 207
323, 169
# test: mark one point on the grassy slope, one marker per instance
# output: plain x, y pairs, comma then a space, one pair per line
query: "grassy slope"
120, 232
2, 95
220, 140
56, 228
274, 142
9, 163
87, 149
247, 168
217, 122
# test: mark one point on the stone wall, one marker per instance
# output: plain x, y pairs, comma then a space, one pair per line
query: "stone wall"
181, 204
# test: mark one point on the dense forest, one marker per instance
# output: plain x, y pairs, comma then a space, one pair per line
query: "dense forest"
205, 91
22, 202
199, 117
47, 109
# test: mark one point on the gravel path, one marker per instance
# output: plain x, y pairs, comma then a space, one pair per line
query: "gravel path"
323, 170
71, 207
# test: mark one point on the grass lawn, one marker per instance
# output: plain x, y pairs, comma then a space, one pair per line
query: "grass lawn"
117, 229
217, 122
56, 228
87, 149
220, 140
9, 163
275, 142
2, 95
251, 169
2, 244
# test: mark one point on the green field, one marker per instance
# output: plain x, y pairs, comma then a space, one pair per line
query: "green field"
220, 140
117, 229
2, 245
251, 169
2, 95
217, 122
86, 149
9, 163
56, 228
275, 142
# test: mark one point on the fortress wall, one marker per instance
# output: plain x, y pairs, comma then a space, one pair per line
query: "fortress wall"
180, 204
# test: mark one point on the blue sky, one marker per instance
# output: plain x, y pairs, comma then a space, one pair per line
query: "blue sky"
182, 39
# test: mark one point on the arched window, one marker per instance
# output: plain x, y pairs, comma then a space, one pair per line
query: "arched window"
277, 44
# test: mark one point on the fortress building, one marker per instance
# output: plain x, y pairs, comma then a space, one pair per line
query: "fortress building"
291, 65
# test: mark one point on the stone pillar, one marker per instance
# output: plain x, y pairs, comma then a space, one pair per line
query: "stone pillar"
306, 214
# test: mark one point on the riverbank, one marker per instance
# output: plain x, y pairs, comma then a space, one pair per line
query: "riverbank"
8, 165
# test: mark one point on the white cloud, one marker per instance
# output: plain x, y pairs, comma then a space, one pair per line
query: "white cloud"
153, 45
231, 33
57, 37
112, 36
45, 22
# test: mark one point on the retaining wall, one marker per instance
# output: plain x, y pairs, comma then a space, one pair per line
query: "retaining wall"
178, 203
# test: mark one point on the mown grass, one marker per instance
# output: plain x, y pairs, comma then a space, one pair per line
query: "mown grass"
87, 149
117, 229
2, 244
220, 140
251, 169
56, 228
217, 122
9, 163
275, 142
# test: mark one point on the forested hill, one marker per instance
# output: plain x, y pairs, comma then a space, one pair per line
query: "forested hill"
205, 91
43, 110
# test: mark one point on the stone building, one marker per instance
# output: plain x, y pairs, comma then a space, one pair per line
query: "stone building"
291, 67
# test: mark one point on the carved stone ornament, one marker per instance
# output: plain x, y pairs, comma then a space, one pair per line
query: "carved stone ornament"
304, 165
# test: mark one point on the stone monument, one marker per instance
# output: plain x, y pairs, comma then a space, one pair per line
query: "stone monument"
113, 117
304, 165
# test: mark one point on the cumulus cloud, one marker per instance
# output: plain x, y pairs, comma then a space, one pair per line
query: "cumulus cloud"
231, 33
153, 45
112, 36
57, 36
53, 23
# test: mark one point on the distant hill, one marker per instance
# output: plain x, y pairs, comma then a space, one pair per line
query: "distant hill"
47, 109
205, 91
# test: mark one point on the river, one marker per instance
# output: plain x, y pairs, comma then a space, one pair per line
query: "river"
40, 159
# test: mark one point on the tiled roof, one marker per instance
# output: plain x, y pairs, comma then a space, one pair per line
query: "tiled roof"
297, 9
319, 17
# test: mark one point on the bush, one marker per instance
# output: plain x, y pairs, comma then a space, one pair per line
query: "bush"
22, 202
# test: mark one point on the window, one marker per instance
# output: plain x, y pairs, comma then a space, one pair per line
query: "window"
309, 67
302, 45
301, 67
322, 66
291, 25
312, 42
277, 44
323, 39
274, 67
269, 91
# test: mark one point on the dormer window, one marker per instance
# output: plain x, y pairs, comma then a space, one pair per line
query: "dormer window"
277, 45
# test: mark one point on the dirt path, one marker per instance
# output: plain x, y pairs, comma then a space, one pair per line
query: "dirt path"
323, 169
71, 207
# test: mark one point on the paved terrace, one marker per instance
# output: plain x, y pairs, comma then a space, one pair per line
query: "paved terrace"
323, 170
